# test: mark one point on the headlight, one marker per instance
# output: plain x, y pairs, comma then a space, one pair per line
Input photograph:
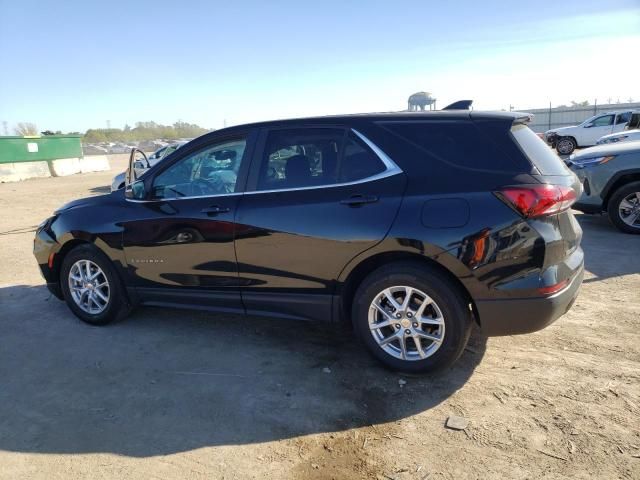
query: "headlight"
584, 162
46, 224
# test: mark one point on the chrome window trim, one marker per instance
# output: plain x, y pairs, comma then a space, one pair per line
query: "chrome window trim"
183, 198
391, 169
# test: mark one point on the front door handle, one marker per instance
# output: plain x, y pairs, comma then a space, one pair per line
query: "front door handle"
358, 200
214, 210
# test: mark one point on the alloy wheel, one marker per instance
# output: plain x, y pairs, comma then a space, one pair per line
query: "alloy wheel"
564, 146
406, 323
89, 287
629, 209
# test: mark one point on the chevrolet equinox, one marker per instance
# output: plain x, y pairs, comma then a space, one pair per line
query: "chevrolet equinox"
410, 226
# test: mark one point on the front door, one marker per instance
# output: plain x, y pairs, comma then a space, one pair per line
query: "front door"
598, 128
320, 196
179, 245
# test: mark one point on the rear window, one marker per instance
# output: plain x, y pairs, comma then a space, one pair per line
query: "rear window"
542, 157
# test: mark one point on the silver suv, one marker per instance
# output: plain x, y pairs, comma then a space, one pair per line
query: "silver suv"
610, 175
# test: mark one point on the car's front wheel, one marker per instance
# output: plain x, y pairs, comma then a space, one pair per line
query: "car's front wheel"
565, 145
411, 317
624, 208
91, 286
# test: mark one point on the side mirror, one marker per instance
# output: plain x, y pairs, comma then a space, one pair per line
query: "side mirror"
588, 125
136, 190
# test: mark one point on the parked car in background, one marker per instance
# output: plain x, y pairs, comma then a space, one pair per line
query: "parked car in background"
140, 166
624, 136
610, 175
410, 226
566, 139
94, 150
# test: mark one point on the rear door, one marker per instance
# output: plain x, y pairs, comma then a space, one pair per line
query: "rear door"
316, 198
622, 120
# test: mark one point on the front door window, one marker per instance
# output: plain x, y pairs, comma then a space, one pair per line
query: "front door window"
207, 172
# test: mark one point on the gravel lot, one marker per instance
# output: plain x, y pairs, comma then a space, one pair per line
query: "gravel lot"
181, 394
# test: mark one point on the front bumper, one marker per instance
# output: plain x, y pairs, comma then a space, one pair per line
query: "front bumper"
551, 139
526, 315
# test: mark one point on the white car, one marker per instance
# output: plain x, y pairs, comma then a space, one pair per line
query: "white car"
587, 134
624, 136
140, 167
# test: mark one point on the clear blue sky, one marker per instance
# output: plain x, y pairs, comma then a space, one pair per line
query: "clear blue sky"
73, 65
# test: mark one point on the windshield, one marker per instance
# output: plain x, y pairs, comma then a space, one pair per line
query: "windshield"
590, 119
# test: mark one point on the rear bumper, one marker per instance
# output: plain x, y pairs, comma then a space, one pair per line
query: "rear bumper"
526, 315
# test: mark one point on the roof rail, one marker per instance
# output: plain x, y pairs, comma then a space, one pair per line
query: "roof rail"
459, 105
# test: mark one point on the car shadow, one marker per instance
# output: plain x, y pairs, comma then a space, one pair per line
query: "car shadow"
608, 252
166, 381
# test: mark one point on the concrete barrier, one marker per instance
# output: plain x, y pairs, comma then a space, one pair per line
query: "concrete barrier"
94, 163
14, 172
69, 166
62, 167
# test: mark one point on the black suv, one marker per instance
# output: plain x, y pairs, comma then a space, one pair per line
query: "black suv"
412, 226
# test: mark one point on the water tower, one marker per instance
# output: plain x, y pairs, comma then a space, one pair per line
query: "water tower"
420, 100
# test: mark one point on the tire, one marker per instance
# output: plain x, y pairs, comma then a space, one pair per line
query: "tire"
449, 308
626, 196
91, 308
565, 145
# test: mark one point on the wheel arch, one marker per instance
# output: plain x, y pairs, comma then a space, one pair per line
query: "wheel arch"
618, 180
355, 277
70, 245
572, 137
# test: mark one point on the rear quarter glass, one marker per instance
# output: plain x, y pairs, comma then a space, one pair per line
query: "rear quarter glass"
460, 144
539, 153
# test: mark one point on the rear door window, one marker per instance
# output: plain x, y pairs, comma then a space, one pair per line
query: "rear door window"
358, 161
308, 157
623, 118
302, 157
544, 159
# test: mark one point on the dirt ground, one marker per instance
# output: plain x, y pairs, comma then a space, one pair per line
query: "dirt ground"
181, 394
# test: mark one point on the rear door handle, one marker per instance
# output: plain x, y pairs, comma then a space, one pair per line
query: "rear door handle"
214, 210
357, 200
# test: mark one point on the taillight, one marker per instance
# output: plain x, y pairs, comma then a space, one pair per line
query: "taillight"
551, 289
538, 200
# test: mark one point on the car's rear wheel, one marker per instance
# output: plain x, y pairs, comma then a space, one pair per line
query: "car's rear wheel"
565, 145
624, 208
411, 317
91, 287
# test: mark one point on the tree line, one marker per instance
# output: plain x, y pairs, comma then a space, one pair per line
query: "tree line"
140, 132
144, 131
